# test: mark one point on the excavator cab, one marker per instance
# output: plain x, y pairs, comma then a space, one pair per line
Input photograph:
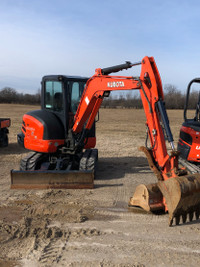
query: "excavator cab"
61, 95
47, 129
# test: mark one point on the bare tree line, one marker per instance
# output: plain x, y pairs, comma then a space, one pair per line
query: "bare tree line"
174, 98
10, 95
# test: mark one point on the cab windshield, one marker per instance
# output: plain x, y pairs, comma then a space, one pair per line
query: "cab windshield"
53, 95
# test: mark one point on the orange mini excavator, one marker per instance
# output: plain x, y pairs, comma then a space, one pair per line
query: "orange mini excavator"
62, 138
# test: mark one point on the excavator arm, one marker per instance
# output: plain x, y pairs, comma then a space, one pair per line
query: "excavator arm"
175, 191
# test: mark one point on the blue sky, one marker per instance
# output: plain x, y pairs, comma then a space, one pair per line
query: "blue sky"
75, 37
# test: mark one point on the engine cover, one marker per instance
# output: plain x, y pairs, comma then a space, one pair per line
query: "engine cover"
42, 131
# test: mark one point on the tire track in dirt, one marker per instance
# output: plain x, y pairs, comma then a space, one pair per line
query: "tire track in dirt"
36, 226
52, 253
45, 243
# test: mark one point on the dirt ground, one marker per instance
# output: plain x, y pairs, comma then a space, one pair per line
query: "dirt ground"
92, 227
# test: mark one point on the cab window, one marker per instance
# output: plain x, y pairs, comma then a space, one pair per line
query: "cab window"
76, 93
53, 96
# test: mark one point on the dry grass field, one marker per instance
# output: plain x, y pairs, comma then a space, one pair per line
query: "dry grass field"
92, 227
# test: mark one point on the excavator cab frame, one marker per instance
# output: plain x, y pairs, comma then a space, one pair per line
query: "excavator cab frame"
196, 118
61, 95
189, 138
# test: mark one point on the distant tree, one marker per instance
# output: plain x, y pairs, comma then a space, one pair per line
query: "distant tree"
8, 95
174, 99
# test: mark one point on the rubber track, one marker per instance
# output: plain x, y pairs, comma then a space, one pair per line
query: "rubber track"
4, 137
29, 162
89, 160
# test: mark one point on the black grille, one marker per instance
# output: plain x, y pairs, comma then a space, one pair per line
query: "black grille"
186, 137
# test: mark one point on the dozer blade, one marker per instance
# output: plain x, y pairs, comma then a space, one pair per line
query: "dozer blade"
147, 197
182, 196
52, 179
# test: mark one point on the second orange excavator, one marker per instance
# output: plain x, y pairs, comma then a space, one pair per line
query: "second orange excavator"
189, 139
62, 138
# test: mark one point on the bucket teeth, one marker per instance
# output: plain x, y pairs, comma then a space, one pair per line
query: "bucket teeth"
170, 222
197, 214
177, 218
184, 217
191, 214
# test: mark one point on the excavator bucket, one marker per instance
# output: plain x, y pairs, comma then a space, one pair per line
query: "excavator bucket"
182, 197
148, 197
52, 179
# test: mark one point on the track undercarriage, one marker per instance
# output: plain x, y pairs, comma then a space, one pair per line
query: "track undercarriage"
190, 166
40, 170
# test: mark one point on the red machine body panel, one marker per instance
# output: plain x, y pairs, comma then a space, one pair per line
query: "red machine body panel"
194, 147
33, 131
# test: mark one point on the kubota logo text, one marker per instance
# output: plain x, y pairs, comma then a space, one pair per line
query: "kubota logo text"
198, 147
115, 84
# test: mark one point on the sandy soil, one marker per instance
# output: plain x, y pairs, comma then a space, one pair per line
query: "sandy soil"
92, 227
